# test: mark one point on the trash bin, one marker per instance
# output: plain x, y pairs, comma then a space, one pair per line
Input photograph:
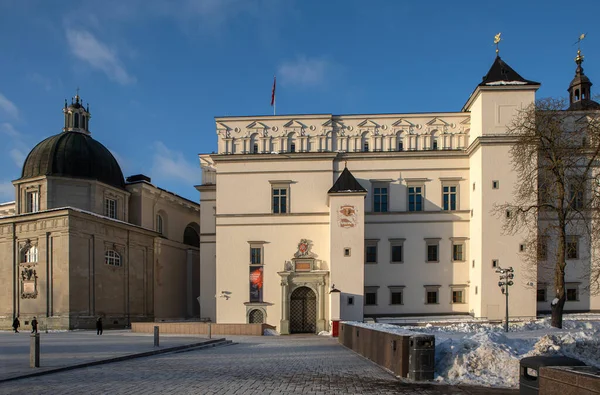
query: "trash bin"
529, 383
421, 357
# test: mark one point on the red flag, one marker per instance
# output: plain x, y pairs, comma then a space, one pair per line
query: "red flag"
273, 91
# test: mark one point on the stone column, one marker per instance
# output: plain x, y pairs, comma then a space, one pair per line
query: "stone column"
285, 314
321, 306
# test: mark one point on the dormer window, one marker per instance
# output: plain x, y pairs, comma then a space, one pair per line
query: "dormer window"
32, 201
110, 208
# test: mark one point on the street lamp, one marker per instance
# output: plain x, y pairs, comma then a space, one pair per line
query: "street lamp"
506, 276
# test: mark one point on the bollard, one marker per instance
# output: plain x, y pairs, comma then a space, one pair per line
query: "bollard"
209, 331
156, 336
34, 350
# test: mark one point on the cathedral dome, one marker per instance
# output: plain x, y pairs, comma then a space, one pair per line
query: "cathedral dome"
76, 155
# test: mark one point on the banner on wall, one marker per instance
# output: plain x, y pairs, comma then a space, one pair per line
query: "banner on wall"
256, 284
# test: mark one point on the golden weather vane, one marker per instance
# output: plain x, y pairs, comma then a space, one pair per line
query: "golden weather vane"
497, 40
579, 57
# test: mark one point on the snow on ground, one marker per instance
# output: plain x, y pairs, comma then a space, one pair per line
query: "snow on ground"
483, 354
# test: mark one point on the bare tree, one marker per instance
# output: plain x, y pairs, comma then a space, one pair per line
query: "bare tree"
556, 200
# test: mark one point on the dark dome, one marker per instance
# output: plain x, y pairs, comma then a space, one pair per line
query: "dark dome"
73, 154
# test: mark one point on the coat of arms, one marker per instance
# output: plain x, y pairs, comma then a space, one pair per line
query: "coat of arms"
347, 216
304, 249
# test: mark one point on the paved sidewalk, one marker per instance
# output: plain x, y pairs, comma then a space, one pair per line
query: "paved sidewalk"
60, 349
255, 365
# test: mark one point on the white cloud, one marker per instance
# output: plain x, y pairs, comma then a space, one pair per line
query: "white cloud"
169, 165
8, 107
18, 156
304, 71
87, 48
10, 131
7, 191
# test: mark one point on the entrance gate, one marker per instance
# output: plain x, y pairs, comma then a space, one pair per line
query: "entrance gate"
303, 311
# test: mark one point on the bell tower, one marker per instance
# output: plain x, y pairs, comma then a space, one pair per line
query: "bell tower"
580, 89
77, 117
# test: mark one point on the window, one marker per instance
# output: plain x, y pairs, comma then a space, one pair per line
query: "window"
366, 146
159, 224
572, 292
542, 248
495, 184
380, 199
432, 251
458, 252
572, 248
521, 247
112, 258
508, 214
350, 300
541, 294
256, 255
473, 263
371, 296
371, 251
458, 295
293, 147
30, 254
494, 263
396, 294
33, 201
400, 145
76, 120
396, 250
255, 148
110, 208
449, 197
256, 316
434, 145
415, 198
347, 251
431, 294
256, 271
576, 193
280, 200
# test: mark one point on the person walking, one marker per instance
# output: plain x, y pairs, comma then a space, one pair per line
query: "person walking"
16, 324
34, 324
99, 326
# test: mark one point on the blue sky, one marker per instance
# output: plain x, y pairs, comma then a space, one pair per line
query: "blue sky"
156, 73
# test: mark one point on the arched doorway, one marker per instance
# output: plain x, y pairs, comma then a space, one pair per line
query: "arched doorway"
303, 311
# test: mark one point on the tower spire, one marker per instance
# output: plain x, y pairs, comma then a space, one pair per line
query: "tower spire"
580, 87
77, 117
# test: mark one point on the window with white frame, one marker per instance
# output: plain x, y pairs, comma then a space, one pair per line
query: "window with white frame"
112, 258
256, 271
32, 201
572, 291
159, 224
371, 251
371, 296
380, 197
396, 250
432, 294
450, 197
572, 247
110, 207
396, 294
458, 251
459, 294
280, 197
415, 197
29, 254
432, 251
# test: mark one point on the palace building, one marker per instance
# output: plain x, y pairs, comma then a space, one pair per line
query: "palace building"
81, 242
306, 219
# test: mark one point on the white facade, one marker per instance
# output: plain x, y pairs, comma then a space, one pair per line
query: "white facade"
420, 239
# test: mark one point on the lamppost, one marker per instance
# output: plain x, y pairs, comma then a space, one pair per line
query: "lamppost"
506, 276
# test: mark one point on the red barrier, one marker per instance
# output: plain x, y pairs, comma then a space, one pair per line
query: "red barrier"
335, 328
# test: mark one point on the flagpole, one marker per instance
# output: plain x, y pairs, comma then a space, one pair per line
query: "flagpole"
274, 106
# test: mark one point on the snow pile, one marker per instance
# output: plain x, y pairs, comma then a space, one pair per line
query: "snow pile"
483, 354
270, 332
324, 333
482, 358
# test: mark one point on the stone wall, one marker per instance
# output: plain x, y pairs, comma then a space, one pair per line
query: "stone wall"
200, 328
572, 380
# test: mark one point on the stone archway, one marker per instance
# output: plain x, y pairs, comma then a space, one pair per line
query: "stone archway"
303, 311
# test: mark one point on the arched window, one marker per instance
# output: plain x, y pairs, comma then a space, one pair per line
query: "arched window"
76, 120
576, 94
365, 142
292, 142
29, 254
191, 235
83, 120
256, 317
159, 224
434, 140
399, 141
112, 258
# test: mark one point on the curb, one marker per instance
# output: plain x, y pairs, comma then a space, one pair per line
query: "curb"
189, 347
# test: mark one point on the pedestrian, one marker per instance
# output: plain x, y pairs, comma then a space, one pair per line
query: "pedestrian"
34, 325
99, 326
16, 324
